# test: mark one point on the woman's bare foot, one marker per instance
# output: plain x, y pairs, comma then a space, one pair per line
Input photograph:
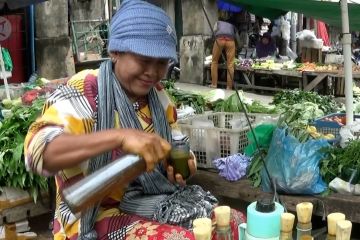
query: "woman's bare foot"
212, 86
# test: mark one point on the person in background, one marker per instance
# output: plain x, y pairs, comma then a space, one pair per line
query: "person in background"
103, 114
265, 46
225, 36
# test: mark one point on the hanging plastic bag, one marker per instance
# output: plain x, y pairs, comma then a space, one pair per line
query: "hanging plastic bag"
294, 165
263, 133
7, 59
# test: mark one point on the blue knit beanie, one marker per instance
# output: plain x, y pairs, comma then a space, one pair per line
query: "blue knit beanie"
142, 28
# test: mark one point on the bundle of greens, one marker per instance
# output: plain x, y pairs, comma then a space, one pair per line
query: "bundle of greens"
255, 167
338, 160
290, 97
296, 117
12, 134
183, 98
232, 104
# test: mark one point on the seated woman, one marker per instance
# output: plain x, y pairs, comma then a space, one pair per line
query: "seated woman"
100, 115
265, 47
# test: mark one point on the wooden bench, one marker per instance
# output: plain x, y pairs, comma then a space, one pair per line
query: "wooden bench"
243, 190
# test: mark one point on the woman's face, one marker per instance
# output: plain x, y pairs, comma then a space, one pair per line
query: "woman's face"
138, 74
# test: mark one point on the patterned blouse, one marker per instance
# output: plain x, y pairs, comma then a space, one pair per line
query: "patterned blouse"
71, 109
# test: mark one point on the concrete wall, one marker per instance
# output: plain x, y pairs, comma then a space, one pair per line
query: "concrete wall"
197, 40
87, 9
54, 58
167, 5
194, 20
51, 19
193, 50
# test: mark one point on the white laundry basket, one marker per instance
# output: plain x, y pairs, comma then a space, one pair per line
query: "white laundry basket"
216, 136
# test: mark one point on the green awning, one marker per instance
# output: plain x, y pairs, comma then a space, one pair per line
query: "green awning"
328, 12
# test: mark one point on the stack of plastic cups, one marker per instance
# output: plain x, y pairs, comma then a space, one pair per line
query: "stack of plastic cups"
202, 228
222, 216
304, 226
332, 219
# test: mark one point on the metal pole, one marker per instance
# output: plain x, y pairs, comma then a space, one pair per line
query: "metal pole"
32, 38
300, 28
110, 9
346, 41
293, 32
300, 22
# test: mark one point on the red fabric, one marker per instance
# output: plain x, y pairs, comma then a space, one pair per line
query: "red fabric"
323, 33
154, 231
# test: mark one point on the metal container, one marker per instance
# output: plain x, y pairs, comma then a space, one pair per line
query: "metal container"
93, 188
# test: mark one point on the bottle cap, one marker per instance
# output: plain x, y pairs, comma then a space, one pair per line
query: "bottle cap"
265, 205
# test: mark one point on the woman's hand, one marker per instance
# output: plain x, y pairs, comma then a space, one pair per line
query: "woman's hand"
151, 147
177, 177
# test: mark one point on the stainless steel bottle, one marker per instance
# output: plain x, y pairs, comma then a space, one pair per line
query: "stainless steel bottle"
93, 188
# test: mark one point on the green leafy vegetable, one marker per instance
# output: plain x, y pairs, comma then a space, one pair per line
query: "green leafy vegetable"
256, 165
180, 97
338, 160
232, 104
297, 118
12, 134
290, 97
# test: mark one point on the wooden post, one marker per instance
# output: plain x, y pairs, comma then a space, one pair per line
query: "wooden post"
10, 231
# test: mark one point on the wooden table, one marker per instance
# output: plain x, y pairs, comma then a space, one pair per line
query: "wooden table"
304, 82
321, 76
211, 181
249, 77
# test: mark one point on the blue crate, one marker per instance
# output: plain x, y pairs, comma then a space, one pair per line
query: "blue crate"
326, 127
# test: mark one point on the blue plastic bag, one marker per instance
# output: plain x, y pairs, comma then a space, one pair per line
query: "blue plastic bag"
294, 165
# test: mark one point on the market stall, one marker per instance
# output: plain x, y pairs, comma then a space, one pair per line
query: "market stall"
223, 143
306, 77
23, 194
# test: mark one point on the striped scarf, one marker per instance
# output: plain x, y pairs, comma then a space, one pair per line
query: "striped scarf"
112, 100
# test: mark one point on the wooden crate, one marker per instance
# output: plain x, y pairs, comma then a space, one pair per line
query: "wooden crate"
311, 55
17, 231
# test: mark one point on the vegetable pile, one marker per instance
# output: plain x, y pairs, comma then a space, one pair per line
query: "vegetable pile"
290, 97
232, 104
339, 160
245, 63
340, 120
297, 109
12, 134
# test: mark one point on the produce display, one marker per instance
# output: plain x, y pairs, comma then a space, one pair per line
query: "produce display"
12, 131
307, 67
232, 104
267, 65
18, 114
180, 97
297, 109
244, 63
297, 117
340, 120
272, 64
290, 97
256, 165
317, 135
341, 162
